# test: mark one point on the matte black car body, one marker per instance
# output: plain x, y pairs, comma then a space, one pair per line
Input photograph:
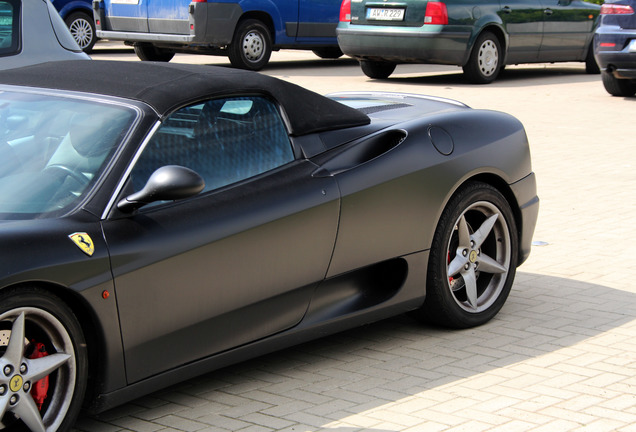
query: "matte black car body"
31, 31
615, 47
179, 282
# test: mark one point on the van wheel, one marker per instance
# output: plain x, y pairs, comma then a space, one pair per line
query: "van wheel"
149, 52
251, 46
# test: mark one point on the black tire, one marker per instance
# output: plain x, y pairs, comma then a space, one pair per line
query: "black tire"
377, 69
591, 67
328, 52
473, 259
149, 52
251, 45
37, 317
618, 87
485, 61
82, 27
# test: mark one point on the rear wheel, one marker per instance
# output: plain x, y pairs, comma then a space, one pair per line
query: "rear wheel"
149, 52
328, 52
591, 67
473, 259
377, 69
82, 27
44, 362
618, 87
484, 63
251, 46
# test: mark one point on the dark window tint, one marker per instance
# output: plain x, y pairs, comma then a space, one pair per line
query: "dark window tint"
9, 27
224, 140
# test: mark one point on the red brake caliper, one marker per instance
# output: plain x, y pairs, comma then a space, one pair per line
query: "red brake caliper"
40, 390
450, 278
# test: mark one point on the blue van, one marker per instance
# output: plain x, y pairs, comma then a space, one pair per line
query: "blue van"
244, 30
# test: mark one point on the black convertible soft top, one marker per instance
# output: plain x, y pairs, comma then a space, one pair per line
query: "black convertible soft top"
166, 87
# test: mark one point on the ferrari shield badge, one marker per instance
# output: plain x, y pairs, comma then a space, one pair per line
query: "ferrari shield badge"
84, 242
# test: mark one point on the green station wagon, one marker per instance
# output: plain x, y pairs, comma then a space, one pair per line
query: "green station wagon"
481, 36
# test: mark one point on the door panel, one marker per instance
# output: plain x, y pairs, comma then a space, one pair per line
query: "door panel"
211, 273
523, 20
567, 30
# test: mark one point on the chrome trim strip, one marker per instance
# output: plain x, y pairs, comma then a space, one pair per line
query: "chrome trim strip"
133, 161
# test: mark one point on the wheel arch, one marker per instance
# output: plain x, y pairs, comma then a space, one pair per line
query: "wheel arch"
76, 6
502, 186
263, 17
495, 29
87, 319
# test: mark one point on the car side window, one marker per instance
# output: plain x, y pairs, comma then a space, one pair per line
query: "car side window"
9, 27
224, 140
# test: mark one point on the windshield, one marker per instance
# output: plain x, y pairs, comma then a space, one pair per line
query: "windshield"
52, 150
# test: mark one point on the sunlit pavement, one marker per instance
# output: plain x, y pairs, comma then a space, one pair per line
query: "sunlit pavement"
561, 355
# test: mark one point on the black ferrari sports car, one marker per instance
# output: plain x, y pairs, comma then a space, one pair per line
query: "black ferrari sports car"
167, 220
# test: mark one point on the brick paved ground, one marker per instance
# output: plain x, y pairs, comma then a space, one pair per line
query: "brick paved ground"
561, 355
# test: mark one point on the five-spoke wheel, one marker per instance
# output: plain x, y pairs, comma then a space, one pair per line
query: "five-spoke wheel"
43, 363
473, 259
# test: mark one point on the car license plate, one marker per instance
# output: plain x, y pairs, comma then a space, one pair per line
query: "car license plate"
385, 14
632, 46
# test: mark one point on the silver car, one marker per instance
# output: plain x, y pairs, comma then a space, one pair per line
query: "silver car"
31, 31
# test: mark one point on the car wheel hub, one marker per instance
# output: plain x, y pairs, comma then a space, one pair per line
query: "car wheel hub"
488, 58
21, 373
82, 32
479, 253
253, 46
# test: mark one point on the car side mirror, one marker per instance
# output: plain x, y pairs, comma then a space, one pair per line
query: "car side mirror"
168, 183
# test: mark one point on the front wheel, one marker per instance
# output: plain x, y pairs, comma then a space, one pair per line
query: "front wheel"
251, 46
473, 259
618, 87
44, 362
377, 69
82, 28
149, 52
484, 63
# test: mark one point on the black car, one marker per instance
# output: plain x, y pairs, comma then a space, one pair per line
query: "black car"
171, 219
615, 47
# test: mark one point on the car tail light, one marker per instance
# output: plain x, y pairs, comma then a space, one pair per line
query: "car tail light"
345, 11
616, 9
436, 13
